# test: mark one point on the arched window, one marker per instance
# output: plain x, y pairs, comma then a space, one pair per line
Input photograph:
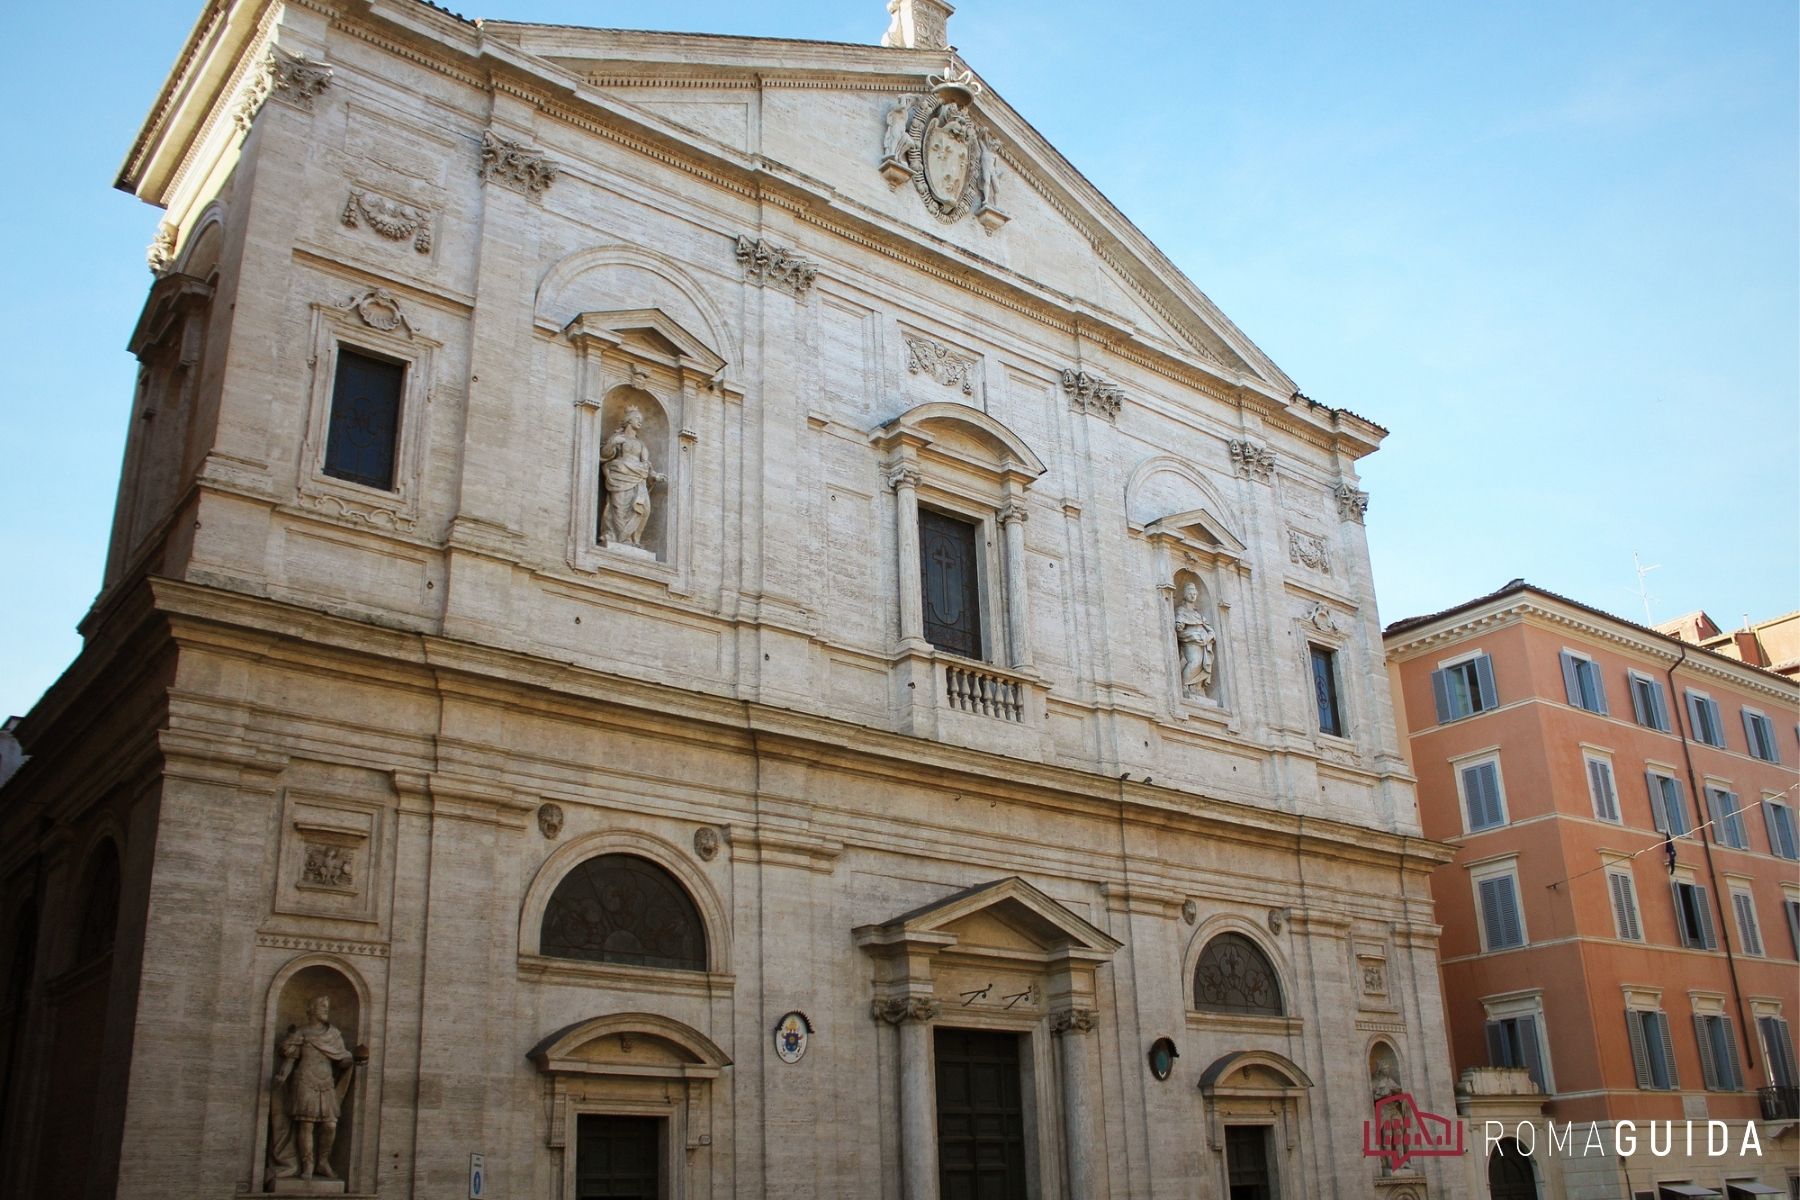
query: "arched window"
1235, 976
99, 905
619, 908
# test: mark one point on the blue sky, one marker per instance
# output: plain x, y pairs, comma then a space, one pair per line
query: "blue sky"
1554, 247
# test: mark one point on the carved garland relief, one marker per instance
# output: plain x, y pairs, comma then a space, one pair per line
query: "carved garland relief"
389, 218
1309, 550
941, 363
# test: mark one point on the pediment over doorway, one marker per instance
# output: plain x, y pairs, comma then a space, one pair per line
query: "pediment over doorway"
1008, 918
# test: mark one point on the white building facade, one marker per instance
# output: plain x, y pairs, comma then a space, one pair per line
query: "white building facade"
745, 630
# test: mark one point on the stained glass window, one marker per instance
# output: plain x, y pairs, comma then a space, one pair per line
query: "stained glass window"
1235, 976
619, 908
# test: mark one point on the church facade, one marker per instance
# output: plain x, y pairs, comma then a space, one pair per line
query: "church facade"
699, 616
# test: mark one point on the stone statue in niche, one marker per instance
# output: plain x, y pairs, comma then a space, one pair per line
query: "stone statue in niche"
312, 1076
628, 475
1384, 1074
1198, 644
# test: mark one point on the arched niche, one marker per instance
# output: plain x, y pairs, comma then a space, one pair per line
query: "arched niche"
648, 361
199, 255
97, 903
1199, 651
668, 858
629, 412
298, 1052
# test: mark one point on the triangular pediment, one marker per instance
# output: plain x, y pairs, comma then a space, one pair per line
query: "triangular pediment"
652, 334
1008, 916
1200, 529
813, 115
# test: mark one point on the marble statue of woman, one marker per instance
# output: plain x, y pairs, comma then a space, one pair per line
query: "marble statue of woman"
1197, 642
628, 475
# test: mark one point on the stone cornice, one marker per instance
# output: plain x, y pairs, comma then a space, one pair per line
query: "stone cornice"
1516, 607
304, 639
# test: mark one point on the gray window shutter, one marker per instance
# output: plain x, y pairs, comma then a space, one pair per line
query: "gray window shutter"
1534, 1058
1496, 1040
1668, 1048
1509, 912
1752, 735
1599, 687
1775, 842
1708, 938
1779, 1047
1675, 801
1640, 1053
1731, 1076
1716, 813
1637, 688
1688, 935
1792, 908
1600, 783
1746, 917
1624, 911
1661, 705
1440, 691
1693, 707
1659, 816
1484, 682
1571, 682
1709, 1067
1490, 913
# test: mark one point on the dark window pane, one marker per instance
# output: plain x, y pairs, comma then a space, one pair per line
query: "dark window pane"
365, 419
1234, 975
1325, 690
951, 583
618, 908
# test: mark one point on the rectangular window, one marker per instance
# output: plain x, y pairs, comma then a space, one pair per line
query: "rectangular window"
1784, 841
1325, 690
1648, 704
1668, 803
1778, 1051
1652, 1054
1513, 1042
1759, 732
364, 428
1718, 1053
1703, 718
1483, 805
1581, 682
1693, 916
1749, 934
950, 576
1624, 902
1728, 822
1502, 928
1792, 908
1601, 789
1464, 689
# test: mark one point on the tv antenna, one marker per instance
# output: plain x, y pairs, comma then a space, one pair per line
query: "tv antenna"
1644, 592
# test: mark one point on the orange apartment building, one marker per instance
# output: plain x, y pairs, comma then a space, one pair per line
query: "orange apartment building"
1621, 922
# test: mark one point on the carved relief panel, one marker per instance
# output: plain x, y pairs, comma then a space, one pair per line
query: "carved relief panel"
329, 857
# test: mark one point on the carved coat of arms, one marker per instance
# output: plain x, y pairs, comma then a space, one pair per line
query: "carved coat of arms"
933, 140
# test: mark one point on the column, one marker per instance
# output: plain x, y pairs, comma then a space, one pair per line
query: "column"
904, 479
912, 1015
1078, 1102
1018, 600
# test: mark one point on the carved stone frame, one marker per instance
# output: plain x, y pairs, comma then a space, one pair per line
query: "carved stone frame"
619, 349
1198, 543
680, 1093
1228, 1099
335, 326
